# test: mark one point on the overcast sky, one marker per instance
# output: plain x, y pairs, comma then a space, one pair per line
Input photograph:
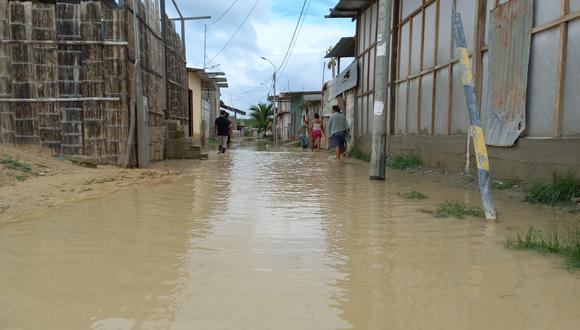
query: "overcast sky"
267, 32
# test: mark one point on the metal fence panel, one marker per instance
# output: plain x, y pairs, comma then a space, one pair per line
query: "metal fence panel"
409, 6
413, 106
545, 11
571, 116
416, 45
441, 101
444, 46
404, 51
401, 111
429, 38
509, 54
459, 114
426, 104
542, 79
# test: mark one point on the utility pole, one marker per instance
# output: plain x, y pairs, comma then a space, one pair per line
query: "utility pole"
275, 96
380, 111
204, 44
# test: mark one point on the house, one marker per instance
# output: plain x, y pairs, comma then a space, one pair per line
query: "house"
204, 103
526, 85
341, 90
293, 109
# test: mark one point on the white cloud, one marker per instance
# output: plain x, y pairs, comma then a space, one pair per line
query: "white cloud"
266, 33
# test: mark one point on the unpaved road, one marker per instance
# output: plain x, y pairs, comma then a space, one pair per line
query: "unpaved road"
54, 182
279, 240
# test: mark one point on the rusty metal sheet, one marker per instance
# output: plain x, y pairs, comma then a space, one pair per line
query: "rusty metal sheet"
509, 56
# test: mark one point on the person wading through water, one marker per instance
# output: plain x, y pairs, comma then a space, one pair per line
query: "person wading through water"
338, 129
316, 132
222, 126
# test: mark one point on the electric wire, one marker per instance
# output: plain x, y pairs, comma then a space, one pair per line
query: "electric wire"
224, 14
293, 34
236, 32
295, 41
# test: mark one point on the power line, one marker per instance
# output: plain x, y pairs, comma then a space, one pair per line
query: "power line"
294, 34
235, 33
284, 64
222, 15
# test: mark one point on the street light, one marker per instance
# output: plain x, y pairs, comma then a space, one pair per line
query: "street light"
275, 107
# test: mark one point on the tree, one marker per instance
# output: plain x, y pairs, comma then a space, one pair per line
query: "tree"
261, 113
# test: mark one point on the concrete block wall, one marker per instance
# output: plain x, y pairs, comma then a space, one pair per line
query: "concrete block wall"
157, 137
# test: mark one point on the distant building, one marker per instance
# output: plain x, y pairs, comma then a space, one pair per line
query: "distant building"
293, 108
204, 103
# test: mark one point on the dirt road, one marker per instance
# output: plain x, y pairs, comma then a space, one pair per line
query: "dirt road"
280, 240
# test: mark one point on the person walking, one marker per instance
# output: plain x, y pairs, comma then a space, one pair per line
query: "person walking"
338, 129
304, 133
222, 126
229, 130
316, 131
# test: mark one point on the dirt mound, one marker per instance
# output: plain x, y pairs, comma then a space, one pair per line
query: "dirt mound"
22, 163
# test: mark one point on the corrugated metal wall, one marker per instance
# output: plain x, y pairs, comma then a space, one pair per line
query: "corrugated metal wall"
429, 95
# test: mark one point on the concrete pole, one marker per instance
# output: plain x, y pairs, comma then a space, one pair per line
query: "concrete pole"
380, 111
204, 44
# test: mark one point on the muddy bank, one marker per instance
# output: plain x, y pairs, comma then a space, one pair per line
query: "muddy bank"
31, 180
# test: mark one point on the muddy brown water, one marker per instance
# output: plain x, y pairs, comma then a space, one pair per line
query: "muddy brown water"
279, 240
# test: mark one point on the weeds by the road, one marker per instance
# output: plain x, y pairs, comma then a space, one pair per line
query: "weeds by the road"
16, 165
504, 184
412, 195
562, 191
455, 209
405, 162
359, 154
550, 242
212, 142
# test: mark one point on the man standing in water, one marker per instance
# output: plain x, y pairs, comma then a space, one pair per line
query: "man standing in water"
338, 129
222, 126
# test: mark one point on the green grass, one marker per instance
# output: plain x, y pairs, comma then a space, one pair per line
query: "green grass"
561, 191
405, 162
550, 241
456, 209
212, 142
503, 184
359, 154
412, 195
16, 165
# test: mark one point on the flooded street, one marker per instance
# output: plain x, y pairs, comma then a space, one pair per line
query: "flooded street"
279, 240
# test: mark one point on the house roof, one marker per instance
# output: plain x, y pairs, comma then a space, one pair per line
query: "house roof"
343, 48
217, 78
227, 107
346, 8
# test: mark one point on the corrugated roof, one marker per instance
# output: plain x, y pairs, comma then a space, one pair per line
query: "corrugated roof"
346, 8
343, 48
346, 80
227, 107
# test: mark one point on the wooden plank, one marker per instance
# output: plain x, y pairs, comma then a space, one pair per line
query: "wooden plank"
420, 88
564, 19
408, 73
479, 44
561, 76
434, 87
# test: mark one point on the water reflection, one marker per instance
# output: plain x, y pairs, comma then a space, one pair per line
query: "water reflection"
275, 240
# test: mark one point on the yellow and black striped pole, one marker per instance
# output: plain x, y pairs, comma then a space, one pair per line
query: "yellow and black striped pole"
476, 130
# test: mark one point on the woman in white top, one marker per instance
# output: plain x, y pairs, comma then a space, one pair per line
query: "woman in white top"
316, 131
